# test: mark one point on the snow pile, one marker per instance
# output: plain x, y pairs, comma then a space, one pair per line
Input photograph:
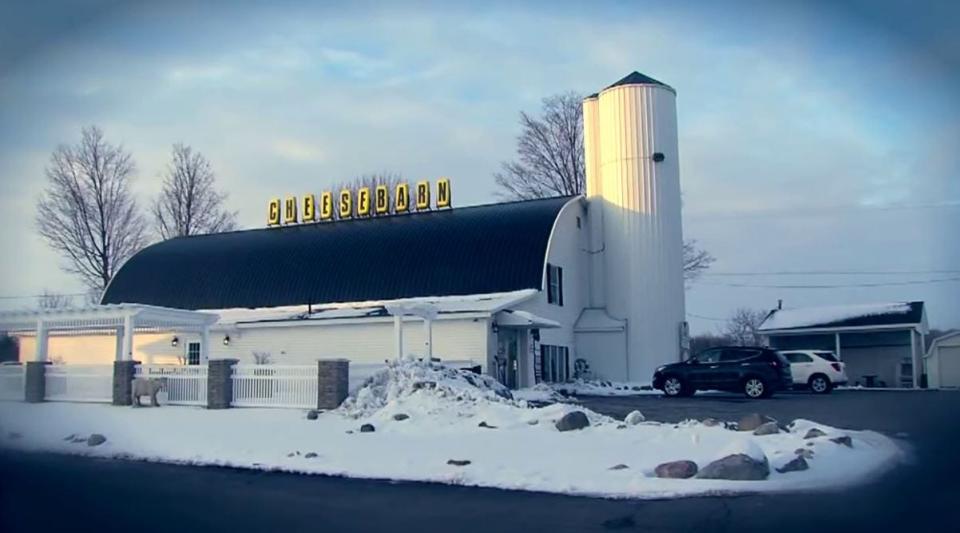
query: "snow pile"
541, 393
817, 316
399, 381
581, 387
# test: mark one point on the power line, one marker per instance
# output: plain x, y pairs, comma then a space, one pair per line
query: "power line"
834, 286
832, 273
708, 317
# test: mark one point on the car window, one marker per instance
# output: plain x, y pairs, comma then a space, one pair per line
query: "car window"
828, 356
709, 356
731, 355
797, 357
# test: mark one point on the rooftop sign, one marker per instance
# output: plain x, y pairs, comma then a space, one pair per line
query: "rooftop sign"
360, 203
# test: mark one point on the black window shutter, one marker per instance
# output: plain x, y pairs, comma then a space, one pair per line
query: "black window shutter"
560, 286
549, 283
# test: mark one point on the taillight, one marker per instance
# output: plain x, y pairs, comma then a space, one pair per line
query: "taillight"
836, 366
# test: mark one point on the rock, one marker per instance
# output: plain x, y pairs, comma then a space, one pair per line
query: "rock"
96, 440
796, 465
621, 426
78, 439
752, 421
738, 467
349, 432
312, 414
844, 440
573, 420
70, 437
634, 418
400, 417
769, 428
290, 454
483, 424
804, 452
710, 422
458, 462
676, 470
424, 385
533, 422
309, 455
619, 467
814, 433
367, 428
636, 388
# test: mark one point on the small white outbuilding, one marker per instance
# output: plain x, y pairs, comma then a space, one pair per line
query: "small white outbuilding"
942, 362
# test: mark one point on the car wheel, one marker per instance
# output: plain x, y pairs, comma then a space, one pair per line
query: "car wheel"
755, 388
820, 384
673, 387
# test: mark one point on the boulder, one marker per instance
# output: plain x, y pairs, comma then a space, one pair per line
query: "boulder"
620, 466
813, 433
844, 440
424, 385
96, 439
483, 424
312, 414
797, 464
309, 455
738, 467
804, 452
367, 428
752, 421
400, 417
634, 418
458, 462
769, 428
573, 420
676, 470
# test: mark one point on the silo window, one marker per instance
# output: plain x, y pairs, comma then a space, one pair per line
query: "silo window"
554, 284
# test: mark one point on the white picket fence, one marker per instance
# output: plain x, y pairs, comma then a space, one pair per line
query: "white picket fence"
11, 382
275, 386
186, 385
78, 383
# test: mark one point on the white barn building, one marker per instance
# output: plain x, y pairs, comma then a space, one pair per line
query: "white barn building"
529, 291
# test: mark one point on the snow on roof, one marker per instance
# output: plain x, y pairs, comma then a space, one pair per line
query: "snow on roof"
524, 319
472, 303
834, 315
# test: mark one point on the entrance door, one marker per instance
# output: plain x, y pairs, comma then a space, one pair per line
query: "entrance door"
509, 341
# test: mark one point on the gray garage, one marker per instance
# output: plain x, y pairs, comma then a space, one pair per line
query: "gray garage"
943, 362
881, 344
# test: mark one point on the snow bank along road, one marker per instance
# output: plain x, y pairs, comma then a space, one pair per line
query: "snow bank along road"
43, 492
429, 424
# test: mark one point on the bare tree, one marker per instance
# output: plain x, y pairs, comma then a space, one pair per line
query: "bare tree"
550, 162
744, 325
48, 301
371, 181
87, 212
549, 152
188, 203
704, 341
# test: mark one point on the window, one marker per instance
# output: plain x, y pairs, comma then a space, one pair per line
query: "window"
193, 353
554, 284
709, 356
828, 356
795, 357
555, 363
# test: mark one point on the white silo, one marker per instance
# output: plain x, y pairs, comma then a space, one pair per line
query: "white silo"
639, 190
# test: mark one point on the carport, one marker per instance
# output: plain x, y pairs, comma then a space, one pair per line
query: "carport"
942, 362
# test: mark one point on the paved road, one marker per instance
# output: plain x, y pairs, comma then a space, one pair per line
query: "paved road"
55, 493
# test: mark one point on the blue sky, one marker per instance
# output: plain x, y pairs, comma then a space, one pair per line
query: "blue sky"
813, 136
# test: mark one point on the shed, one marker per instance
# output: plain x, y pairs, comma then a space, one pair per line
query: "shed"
942, 362
881, 344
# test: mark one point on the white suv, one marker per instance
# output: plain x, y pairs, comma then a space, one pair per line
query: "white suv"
820, 370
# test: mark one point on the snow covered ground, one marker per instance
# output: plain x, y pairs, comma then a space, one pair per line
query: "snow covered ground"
520, 448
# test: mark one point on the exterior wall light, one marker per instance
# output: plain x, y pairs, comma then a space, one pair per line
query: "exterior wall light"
174, 341
658, 157
226, 340
495, 328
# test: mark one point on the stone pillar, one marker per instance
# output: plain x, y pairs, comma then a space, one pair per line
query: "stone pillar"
333, 380
34, 384
123, 374
219, 383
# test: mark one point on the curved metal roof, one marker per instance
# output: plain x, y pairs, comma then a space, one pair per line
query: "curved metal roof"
467, 250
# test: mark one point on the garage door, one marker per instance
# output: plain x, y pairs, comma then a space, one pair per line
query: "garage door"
949, 367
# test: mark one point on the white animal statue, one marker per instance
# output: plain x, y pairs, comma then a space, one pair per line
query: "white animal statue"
147, 387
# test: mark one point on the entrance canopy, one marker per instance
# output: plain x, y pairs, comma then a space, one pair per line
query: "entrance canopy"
124, 318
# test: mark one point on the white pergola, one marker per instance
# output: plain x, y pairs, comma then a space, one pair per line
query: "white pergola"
125, 319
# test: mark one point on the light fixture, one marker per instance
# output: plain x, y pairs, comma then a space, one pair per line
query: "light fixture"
496, 328
658, 157
226, 340
174, 341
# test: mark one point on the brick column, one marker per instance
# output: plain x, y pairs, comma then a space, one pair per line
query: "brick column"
219, 383
123, 374
333, 379
34, 384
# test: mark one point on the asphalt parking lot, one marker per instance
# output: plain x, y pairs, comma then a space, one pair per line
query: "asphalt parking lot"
59, 493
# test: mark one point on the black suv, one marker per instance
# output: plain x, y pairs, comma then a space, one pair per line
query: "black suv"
756, 372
